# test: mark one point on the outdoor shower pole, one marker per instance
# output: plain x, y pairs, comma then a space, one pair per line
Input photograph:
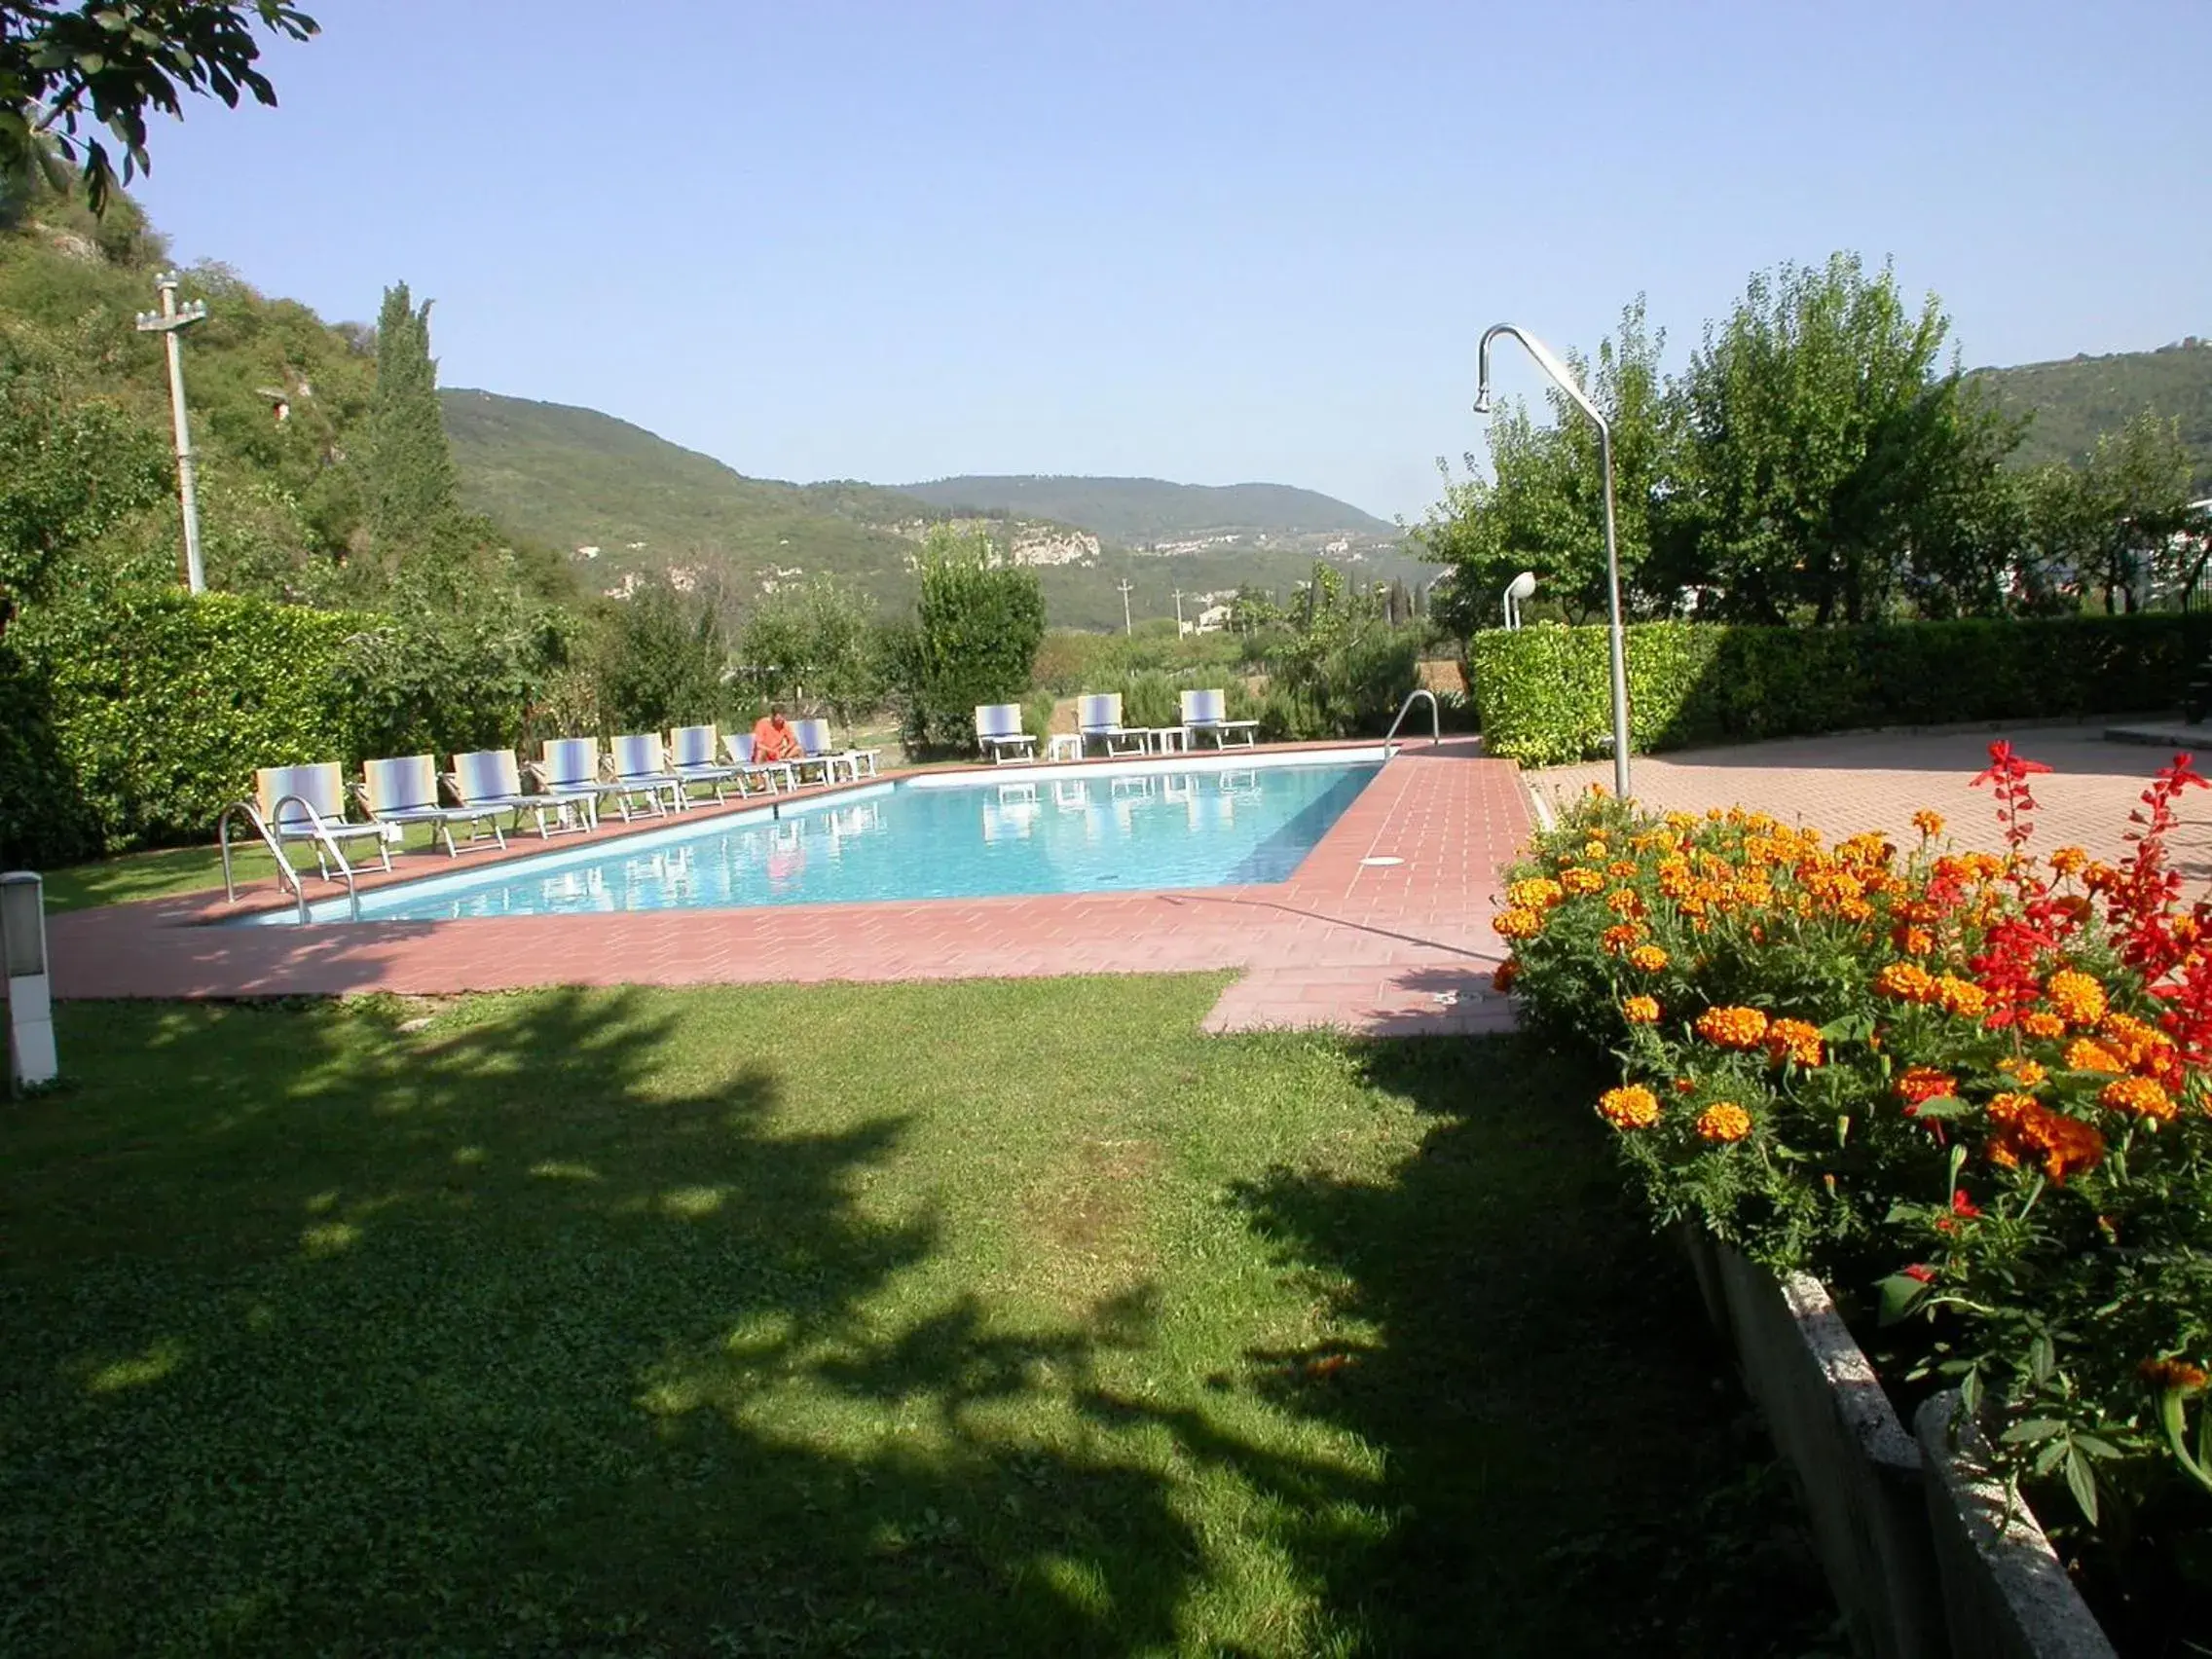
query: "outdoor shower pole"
1616, 639
171, 322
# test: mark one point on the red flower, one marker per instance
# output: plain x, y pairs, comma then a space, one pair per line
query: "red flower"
1963, 1206
1920, 1270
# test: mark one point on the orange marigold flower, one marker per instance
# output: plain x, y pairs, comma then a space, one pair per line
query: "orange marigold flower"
1575, 879
2174, 1373
2140, 1096
1907, 982
1732, 1027
1640, 1010
1622, 869
1724, 1122
1924, 1083
1620, 937
1630, 1107
2024, 1072
1961, 996
1929, 823
2075, 997
2086, 1055
2029, 1131
2043, 1024
1625, 901
1536, 893
1685, 1086
2069, 861
2099, 876
1650, 958
1794, 1040
1518, 924
1501, 979
1595, 847
2140, 1044
1911, 940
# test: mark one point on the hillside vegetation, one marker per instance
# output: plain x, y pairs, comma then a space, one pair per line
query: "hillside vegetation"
2073, 402
1136, 511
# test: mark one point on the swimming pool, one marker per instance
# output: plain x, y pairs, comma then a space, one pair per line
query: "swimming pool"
1035, 830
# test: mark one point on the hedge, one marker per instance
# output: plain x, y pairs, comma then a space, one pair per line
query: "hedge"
134, 722
1542, 692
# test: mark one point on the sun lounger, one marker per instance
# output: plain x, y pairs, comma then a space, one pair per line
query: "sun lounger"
822, 751
493, 778
404, 791
1099, 715
568, 769
1209, 711
999, 733
308, 803
638, 763
691, 754
776, 774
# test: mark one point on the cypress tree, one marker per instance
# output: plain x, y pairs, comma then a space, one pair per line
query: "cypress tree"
409, 468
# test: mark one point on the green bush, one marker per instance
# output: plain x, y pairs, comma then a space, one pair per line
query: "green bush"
977, 629
135, 723
1543, 694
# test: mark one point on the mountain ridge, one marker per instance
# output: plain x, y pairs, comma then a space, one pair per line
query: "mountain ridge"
1136, 510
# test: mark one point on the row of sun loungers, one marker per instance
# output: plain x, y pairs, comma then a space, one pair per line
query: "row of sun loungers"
1099, 719
566, 788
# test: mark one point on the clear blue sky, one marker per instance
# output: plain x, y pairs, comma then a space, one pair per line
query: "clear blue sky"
1205, 241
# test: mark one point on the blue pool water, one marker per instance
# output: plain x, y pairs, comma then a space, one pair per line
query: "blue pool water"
1145, 829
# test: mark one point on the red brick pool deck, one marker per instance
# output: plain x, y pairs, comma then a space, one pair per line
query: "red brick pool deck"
1394, 948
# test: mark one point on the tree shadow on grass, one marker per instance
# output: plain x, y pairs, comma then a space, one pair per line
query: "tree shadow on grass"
526, 1336
1567, 1471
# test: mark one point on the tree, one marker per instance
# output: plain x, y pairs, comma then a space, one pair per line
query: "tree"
1824, 445
816, 640
1542, 506
661, 661
409, 470
69, 472
979, 625
2114, 525
107, 63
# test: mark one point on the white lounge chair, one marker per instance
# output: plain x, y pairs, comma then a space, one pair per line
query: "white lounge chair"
568, 769
308, 803
493, 778
1099, 715
999, 733
776, 774
691, 751
638, 763
405, 790
820, 749
1209, 711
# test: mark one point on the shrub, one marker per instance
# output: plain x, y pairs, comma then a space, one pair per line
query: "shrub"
1983, 1080
1543, 693
977, 630
139, 722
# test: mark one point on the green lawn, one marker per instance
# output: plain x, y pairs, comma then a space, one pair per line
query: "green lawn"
1008, 1319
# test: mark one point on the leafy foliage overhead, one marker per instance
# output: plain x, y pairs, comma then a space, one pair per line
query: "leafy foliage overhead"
103, 64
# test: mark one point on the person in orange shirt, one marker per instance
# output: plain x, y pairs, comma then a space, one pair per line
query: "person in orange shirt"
773, 738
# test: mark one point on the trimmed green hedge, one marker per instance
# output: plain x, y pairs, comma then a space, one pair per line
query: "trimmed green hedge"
134, 722
1542, 692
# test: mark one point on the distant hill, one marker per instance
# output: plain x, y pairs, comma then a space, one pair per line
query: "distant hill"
1139, 511
2073, 402
628, 503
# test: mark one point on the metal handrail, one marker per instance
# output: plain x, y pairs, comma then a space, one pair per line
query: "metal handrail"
327, 852
1435, 715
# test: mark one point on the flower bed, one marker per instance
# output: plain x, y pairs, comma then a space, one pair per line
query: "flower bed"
1969, 1091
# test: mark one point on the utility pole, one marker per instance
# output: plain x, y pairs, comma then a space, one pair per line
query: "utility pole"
1128, 627
1178, 614
171, 322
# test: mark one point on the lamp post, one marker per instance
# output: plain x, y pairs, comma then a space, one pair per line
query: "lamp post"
1517, 594
171, 322
30, 1002
1618, 641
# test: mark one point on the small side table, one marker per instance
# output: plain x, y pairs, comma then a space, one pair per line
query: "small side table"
1163, 740
1063, 746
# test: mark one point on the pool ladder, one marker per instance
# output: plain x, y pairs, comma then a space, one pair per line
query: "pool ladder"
1436, 716
327, 852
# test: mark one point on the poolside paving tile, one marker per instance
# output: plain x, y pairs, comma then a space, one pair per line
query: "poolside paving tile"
1384, 947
